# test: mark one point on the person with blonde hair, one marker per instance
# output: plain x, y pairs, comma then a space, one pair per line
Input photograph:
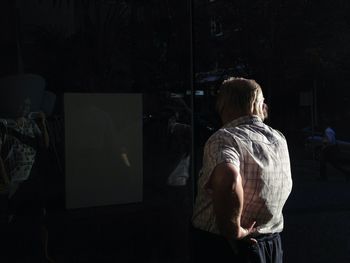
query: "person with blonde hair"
244, 182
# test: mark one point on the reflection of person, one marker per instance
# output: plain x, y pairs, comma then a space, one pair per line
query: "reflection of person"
329, 136
244, 182
21, 141
330, 152
180, 134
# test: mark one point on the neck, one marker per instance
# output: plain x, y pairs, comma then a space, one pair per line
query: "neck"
229, 116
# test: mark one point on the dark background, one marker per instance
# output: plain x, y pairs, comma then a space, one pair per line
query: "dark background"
297, 50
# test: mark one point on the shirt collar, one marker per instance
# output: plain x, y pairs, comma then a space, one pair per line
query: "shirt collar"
248, 119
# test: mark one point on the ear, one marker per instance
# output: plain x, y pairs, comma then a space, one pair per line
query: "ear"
265, 111
259, 108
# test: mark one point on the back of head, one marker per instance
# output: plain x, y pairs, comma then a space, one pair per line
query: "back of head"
241, 96
18, 90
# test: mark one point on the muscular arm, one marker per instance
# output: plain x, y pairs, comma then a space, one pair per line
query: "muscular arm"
226, 183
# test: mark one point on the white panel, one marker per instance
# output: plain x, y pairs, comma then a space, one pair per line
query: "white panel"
103, 154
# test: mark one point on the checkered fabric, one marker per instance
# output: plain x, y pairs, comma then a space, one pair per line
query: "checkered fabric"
19, 157
261, 155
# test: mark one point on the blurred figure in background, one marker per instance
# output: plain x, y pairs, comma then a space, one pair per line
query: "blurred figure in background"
23, 139
179, 129
330, 152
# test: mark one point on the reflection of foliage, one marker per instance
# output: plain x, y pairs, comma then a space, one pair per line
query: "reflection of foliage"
248, 32
317, 37
291, 46
116, 40
297, 36
97, 54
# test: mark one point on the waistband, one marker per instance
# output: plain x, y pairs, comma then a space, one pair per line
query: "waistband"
259, 237
266, 237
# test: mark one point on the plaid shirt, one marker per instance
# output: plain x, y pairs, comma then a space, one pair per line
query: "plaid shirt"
19, 157
261, 155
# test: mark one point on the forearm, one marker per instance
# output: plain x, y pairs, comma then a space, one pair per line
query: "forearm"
227, 216
228, 210
227, 193
45, 134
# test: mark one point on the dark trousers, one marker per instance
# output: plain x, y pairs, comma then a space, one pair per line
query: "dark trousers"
208, 247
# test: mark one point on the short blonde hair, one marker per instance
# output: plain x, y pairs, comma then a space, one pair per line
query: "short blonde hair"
242, 95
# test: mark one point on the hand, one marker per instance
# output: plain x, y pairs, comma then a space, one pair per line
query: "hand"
245, 234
